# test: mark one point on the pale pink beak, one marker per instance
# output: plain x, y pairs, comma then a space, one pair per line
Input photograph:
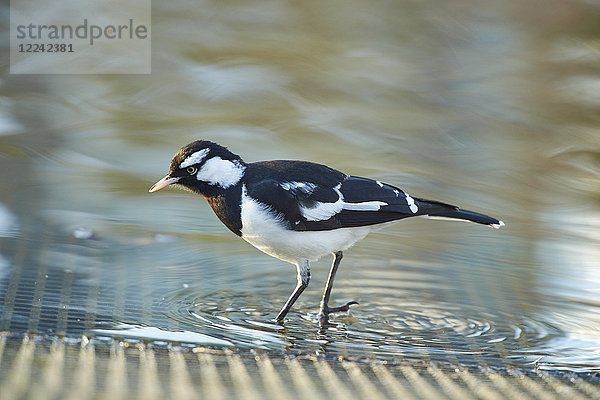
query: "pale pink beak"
166, 181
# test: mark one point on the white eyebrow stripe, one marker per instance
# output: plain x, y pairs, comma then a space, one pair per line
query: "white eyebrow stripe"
194, 158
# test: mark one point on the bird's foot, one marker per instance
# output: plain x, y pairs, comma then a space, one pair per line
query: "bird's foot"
326, 310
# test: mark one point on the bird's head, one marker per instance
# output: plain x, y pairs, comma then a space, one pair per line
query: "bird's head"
203, 167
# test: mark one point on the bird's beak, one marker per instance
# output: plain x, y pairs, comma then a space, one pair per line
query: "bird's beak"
166, 181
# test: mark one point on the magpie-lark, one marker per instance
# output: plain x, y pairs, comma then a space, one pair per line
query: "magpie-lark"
298, 211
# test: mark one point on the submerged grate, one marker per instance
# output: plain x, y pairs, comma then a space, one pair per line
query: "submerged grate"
41, 367
46, 311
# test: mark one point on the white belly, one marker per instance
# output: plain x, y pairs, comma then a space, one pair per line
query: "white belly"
264, 230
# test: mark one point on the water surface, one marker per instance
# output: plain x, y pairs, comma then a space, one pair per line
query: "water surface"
491, 107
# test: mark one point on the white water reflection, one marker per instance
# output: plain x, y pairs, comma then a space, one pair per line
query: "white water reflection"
9, 225
152, 333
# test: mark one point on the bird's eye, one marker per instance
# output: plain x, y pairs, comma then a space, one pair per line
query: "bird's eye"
191, 170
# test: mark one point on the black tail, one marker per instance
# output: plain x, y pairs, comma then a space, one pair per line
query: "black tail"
471, 216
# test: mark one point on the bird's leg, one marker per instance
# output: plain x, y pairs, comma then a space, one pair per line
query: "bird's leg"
325, 310
303, 280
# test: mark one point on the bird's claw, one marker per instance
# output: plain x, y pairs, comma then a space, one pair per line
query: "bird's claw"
326, 310
331, 310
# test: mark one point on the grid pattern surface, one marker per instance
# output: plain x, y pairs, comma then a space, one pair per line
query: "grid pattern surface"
36, 367
46, 314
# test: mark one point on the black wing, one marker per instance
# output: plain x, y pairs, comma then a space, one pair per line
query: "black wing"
361, 196
288, 186
399, 205
313, 197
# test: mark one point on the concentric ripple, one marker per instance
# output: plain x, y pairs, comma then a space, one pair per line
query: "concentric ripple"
433, 331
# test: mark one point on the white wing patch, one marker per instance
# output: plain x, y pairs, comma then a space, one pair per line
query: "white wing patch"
194, 158
365, 206
305, 187
411, 203
224, 173
324, 211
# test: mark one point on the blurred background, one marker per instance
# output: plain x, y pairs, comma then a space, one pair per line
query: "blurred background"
493, 106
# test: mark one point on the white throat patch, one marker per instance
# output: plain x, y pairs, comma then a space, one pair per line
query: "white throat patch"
224, 173
194, 158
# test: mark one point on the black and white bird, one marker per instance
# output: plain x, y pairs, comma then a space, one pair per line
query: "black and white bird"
298, 211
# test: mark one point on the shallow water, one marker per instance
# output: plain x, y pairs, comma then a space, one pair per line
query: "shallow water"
491, 107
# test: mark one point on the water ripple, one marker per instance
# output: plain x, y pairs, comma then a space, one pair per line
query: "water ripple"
247, 322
